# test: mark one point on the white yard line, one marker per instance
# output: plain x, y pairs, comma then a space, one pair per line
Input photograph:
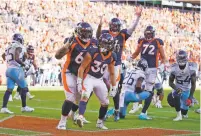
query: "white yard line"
37, 133
96, 111
6, 118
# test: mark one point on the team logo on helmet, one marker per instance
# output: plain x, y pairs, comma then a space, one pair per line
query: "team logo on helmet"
106, 42
149, 33
115, 25
84, 31
142, 64
18, 37
182, 57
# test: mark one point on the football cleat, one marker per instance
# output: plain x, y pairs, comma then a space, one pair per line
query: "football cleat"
197, 111
185, 116
80, 121
17, 96
178, 118
5, 110
27, 109
85, 121
100, 124
143, 116
116, 115
61, 125
134, 109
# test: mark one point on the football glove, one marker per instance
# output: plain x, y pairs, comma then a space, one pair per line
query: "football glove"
188, 102
113, 91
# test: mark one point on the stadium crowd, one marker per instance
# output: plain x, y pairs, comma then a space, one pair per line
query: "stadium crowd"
45, 24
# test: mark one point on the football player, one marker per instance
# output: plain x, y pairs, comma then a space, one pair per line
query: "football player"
15, 56
150, 48
134, 86
75, 49
161, 76
120, 37
30, 61
94, 69
183, 73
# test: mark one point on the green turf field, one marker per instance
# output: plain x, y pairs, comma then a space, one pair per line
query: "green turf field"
48, 104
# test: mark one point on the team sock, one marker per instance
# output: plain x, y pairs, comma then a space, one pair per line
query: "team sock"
116, 101
82, 107
66, 107
147, 103
5, 98
102, 112
23, 96
74, 107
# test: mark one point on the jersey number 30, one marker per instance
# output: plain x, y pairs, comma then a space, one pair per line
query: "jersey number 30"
97, 67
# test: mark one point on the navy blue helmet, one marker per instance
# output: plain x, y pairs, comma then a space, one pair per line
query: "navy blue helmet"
76, 27
106, 42
115, 25
30, 50
149, 33
18, 37
84, 31
142, 64
182, 57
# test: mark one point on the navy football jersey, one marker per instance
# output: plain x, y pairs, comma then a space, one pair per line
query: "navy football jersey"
150, 51
100, 63
120, 39
76, 54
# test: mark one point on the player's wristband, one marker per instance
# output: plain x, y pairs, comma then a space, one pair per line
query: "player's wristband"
79, 80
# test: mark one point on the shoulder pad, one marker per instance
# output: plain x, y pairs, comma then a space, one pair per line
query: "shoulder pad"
193, 67
160, 41
123, 31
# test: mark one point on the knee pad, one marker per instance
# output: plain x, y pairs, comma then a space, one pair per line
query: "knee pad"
171, 100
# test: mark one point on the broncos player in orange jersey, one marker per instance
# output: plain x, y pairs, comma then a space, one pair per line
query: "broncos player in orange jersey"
75, 49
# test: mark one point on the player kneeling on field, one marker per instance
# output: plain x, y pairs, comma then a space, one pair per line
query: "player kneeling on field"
184, 73
94, 69
133, 87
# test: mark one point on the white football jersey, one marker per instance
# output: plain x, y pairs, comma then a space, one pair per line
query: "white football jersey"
183, 77
131, 78
10, 54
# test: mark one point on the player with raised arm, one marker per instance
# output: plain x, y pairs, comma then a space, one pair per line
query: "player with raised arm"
93, 69
183, 82
15, 56
75, 49
150, 48
120, 37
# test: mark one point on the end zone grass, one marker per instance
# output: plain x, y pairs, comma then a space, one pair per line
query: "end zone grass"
48, 104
